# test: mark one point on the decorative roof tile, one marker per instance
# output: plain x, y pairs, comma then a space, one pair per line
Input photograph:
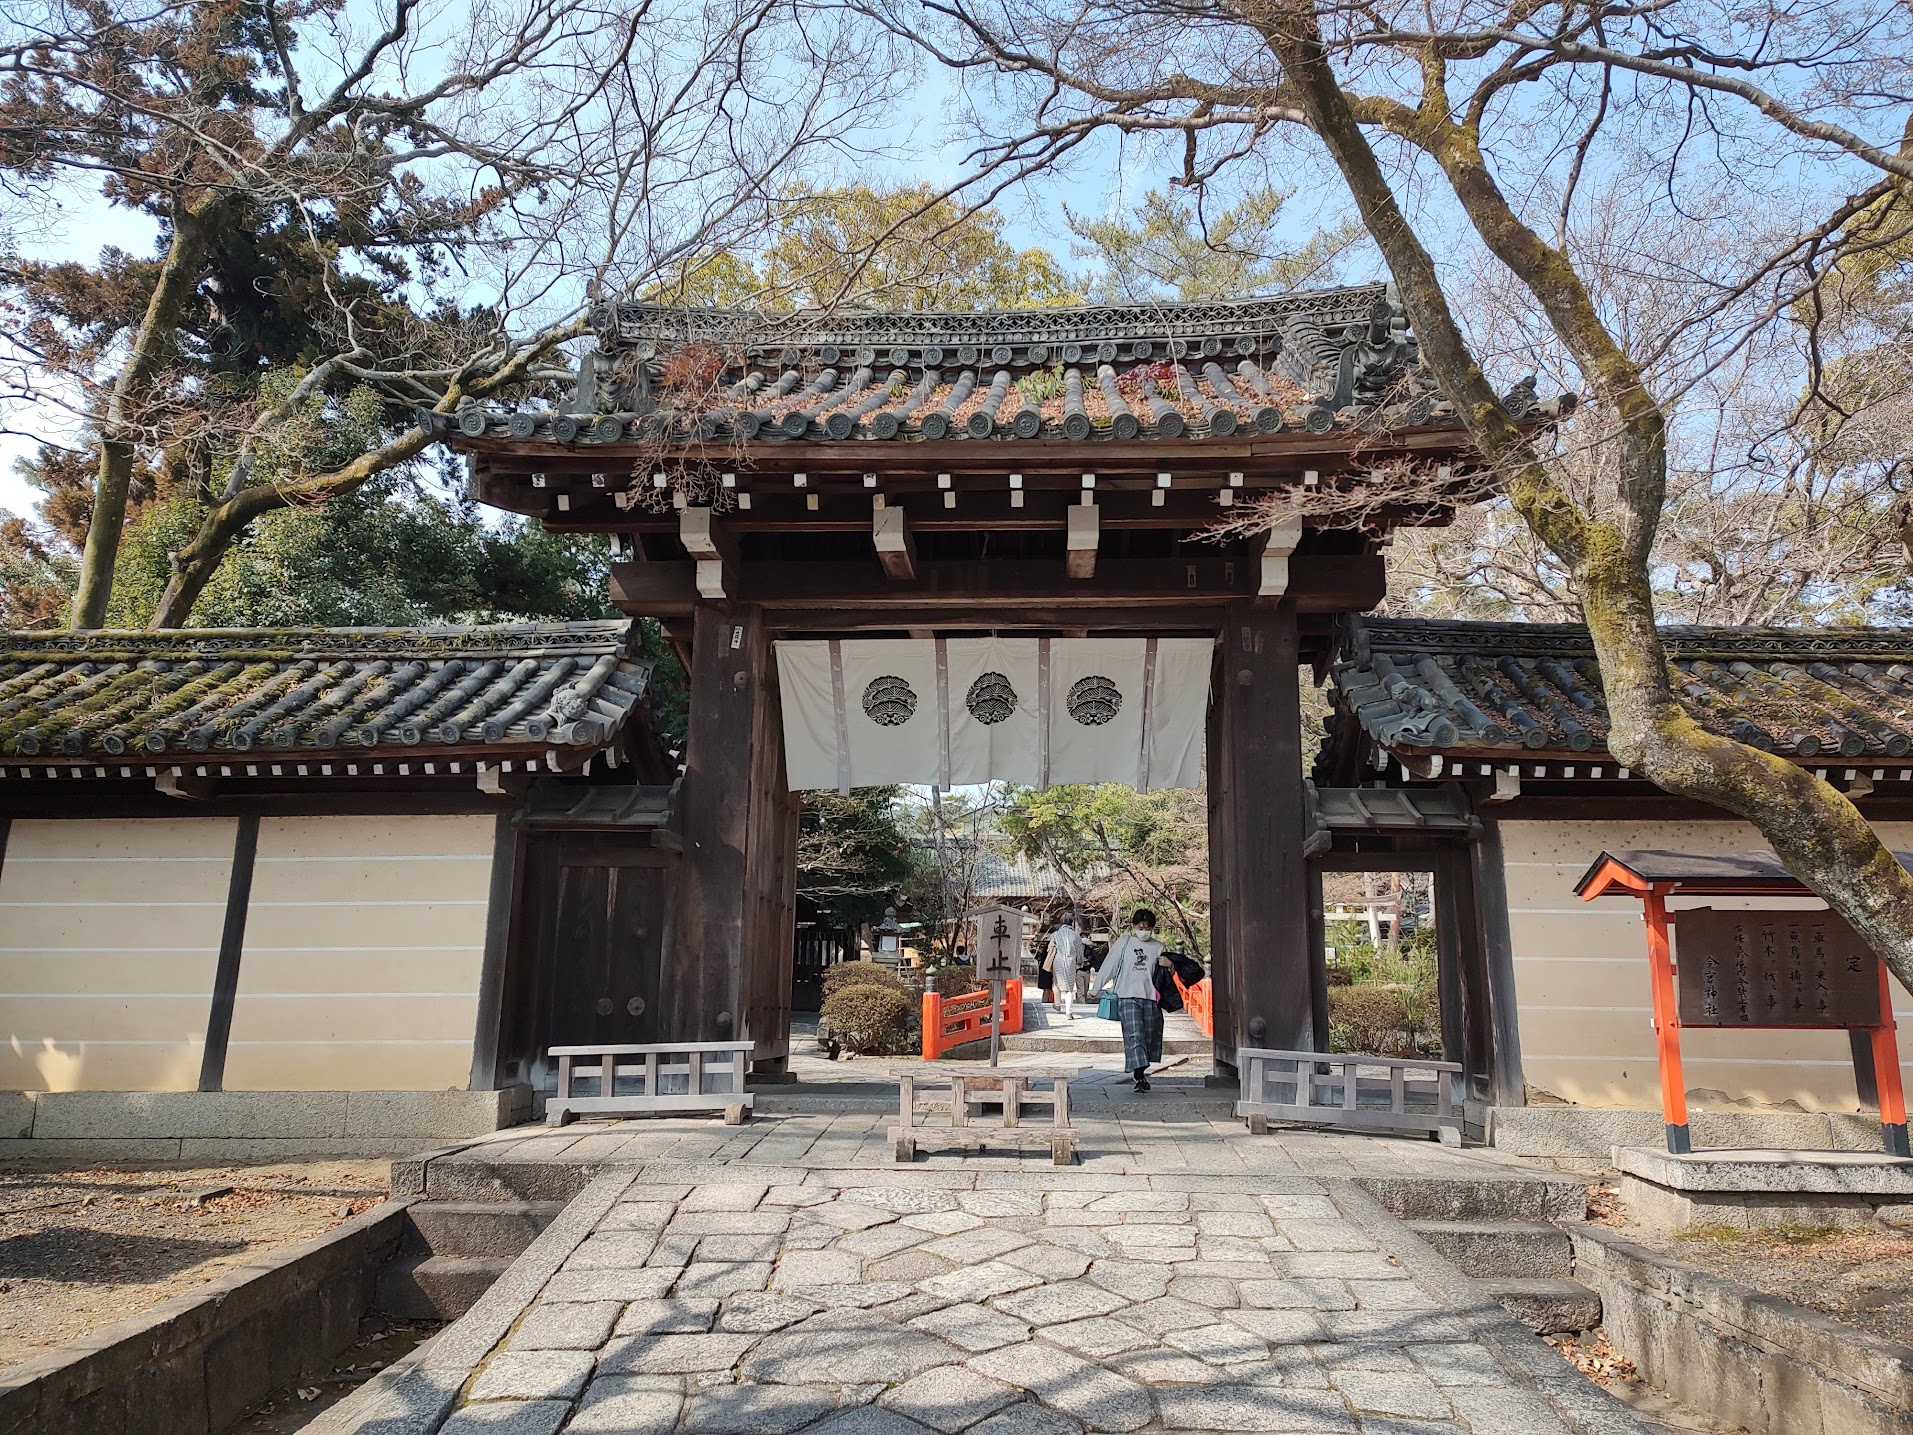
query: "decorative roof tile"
1314, 360
68, 695
1495, 689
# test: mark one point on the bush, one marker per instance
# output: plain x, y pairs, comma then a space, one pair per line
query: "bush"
1370, 1019
958, 980
860, 974
870, 1017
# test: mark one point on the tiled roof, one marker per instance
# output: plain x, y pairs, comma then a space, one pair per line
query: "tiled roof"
1511, 688
66, 695
1310, 360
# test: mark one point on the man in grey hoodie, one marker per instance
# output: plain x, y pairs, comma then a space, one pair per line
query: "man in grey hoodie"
1130, 972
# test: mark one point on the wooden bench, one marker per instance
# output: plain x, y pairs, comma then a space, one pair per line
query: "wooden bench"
921, 1088
1343, 1089
650, 1079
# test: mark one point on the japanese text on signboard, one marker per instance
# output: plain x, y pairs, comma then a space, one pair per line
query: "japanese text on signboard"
1773, 969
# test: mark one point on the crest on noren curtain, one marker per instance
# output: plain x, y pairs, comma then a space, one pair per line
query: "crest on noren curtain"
1093, 700
991, 699
889, 701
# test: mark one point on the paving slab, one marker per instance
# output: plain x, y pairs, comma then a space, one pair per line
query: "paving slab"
1186, 1278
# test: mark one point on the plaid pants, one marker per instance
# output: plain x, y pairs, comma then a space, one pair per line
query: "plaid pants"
1142, 1031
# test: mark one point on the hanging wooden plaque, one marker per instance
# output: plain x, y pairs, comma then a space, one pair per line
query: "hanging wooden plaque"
1773, 969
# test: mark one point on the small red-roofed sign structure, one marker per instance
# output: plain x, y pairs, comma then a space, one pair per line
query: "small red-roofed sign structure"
1755, 969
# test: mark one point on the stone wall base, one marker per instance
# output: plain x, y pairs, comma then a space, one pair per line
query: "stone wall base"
198, 1362
1663, 1209
1749, 1360
234, 1125
1591, 1132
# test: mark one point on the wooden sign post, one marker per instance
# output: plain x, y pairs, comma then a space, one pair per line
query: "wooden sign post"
999, 948
1751, 970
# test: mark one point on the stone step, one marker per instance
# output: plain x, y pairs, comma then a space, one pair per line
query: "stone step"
1485, 1249
423, 1287
1051, 1040
476, 1228
1547, 1307
1513, 1197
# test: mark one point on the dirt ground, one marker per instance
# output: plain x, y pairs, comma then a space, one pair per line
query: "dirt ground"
383, 1342
1859, 1275
82, 1247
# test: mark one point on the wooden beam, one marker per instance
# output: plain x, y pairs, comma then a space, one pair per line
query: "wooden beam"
1318, 583
1161, 619
1026, 456
896, 547
1085, 533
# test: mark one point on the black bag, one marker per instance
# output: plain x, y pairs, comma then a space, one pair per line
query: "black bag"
1188, 968
1166, 993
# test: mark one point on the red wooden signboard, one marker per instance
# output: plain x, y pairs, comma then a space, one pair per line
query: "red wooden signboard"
1750, 969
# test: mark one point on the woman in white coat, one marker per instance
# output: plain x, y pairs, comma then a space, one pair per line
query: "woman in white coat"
1065, 951
1130, 972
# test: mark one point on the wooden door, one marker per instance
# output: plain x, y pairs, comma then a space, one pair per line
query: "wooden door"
598, 909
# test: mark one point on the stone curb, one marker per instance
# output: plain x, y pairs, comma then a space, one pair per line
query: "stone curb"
1834, 1353
1584, 1406
416, 1399
208, 1355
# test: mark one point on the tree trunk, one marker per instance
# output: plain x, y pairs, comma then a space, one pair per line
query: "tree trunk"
1815, 831
119, 423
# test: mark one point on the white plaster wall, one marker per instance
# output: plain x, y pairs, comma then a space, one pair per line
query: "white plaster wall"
365, 937
109, 939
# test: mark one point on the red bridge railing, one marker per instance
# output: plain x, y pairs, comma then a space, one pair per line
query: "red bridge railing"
1196, 1000
950, 1022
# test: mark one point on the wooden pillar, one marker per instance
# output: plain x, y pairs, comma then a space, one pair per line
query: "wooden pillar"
1478, 1026
1261, 883
1318, 957
729, 967
1507, 1082
1224, 981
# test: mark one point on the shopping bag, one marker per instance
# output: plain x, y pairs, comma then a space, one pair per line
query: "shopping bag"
1106, 1008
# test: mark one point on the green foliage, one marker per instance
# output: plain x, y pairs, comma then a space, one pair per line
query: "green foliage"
391, 553
853, 855
1380, 1002
37, 576
902, 249
1168, 247
845, 975
871, 1019
1041, 385
1133, 849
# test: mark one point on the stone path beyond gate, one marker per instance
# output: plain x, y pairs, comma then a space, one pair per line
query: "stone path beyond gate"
992, 1295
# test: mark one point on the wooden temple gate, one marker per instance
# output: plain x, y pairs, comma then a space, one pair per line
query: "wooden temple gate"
1051, 472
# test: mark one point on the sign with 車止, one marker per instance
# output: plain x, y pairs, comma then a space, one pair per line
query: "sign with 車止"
999, 942
1773, 969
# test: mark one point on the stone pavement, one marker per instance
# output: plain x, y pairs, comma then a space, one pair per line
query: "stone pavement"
713, 1290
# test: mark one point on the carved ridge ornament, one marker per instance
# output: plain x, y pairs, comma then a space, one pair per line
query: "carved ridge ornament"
889, 701
1683, 643
1291, 315
991, 699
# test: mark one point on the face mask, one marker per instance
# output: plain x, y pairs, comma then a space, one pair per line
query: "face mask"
1145, 933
